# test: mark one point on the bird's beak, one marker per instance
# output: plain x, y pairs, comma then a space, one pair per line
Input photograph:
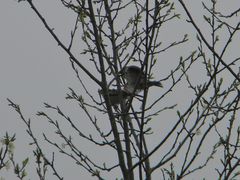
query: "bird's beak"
121, 72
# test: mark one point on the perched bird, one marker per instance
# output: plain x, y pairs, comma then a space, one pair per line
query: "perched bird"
116, 96
135, 78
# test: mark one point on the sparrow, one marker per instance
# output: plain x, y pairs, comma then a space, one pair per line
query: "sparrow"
135, 78
116, 96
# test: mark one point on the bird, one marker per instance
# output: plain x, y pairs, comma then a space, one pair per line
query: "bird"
135, 79
116, 96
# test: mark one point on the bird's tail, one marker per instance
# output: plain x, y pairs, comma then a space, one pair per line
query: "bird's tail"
154, 83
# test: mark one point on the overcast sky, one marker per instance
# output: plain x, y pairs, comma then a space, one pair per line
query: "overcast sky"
34, 70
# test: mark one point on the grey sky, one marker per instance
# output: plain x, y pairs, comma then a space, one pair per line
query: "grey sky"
33, 70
